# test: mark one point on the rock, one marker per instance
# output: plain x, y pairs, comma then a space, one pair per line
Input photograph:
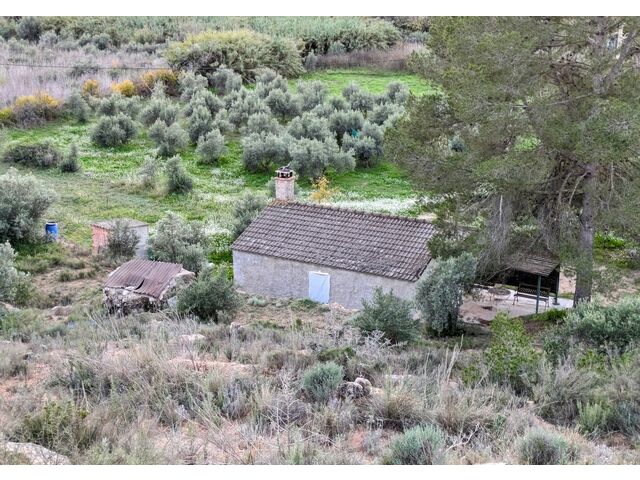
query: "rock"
359, 388
37, 454
365, 384
8, 307
61, 310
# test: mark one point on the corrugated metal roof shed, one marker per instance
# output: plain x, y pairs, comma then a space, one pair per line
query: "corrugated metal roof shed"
377, 244
145, 277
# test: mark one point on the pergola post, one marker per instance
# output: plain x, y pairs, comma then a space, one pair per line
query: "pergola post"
555, 302
538, 293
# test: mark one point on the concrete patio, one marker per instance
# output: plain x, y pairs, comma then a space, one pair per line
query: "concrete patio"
483, 308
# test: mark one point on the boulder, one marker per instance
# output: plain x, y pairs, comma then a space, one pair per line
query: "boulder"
36, 454
360, 387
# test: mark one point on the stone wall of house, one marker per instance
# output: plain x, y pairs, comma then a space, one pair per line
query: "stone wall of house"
275, 277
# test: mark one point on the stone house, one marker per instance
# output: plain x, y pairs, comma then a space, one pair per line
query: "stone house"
140, 285
329, 254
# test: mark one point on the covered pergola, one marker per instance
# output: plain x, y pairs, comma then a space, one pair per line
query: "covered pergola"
536, 275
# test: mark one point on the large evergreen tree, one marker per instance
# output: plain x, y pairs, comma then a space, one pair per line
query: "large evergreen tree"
535, 135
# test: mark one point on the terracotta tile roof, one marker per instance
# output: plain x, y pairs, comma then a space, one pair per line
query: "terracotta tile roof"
384, 245
542, 263
144, 276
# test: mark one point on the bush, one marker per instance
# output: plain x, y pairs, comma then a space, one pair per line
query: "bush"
262, 123
321, 381
511, 356
148, 173
341, 122
225, 81
9, 275
358, 99
190, 83
243, 51
122, 242
541, 448
420, 445
91, 88
596, 418
397, 93
363, 148
159, 108
210, 147
390, 315
178, 180
210, 295
439, 295
116, 104
310, 62
244, 107
178, 241
385, 114
206, 99
200, 123
126, 88
282, 103
113, 131
163, 76
71, 164
169, 139
40, 154
311, 158
29, 28
78, 108
245, 212
6, 117
260, 151
309, 126
221, 122
34, 110
267, 80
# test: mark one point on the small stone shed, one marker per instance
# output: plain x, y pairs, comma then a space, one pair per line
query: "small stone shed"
330, 255
144, 285
100, 232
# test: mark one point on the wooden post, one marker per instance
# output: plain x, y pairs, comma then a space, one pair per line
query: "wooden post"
555, 302
538, 293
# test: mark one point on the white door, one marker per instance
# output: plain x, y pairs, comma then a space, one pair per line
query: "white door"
319, 287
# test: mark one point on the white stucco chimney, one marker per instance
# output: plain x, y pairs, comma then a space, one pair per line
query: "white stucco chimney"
285, 184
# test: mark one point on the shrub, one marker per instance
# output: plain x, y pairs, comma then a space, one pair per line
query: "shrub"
225, 81
358, 98
178, 241
41, 154
122, 242
169, 139
148, 173
178, 180
321, 381
311, 158
541, 448
210, 147
245, 212
511, 355
33, 110
126, 88
6, 116
596, 418
221, 122
12, 359
439, 295
78, 108
9, 275
206, 99
267, 81
91, 88
115, 104
245, 106
389, 314
310, 62
341, 122
210, 295
165, 76
397, 93
190, 83
420, 445
200, 123
362, 148
159, 108
282, 103
338, 104
113, 131
243, 51
29, 28
262, 123
309, 126
23, 203
385, 114
71, 164
260, 151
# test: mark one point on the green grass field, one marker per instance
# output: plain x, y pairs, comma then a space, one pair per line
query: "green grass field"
107, 185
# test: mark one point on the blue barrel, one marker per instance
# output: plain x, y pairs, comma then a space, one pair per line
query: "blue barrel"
51, 230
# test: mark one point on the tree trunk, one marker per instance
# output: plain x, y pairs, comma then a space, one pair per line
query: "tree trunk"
584, 268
